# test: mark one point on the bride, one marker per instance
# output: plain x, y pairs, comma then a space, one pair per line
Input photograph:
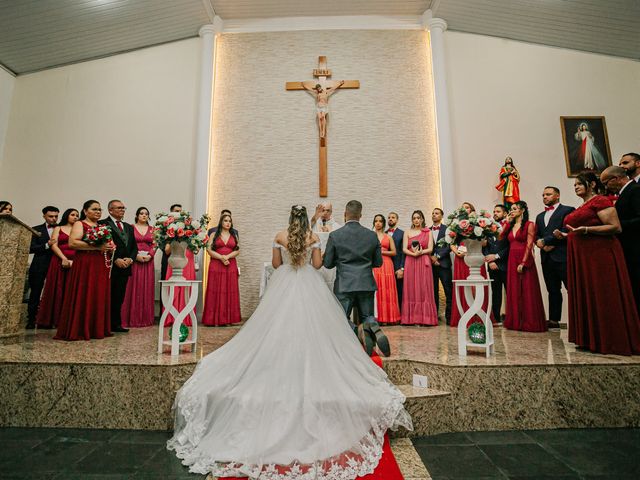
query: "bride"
293, 395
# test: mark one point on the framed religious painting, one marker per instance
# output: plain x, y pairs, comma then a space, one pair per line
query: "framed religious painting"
586, 144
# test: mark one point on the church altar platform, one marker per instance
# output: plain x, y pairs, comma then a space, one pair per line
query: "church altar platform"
534, 381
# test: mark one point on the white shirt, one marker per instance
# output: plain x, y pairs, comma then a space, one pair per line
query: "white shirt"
331, 224
116, 222
625, 186
548, 213
636, 178
435, 233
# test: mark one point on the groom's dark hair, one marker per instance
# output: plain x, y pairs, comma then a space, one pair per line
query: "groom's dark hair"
353, 209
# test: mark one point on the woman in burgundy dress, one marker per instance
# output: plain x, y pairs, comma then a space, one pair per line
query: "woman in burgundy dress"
525, 310
461, 272
86, 311
418, 302
222, 301
58, 273
387, 293
138, 305
602, 314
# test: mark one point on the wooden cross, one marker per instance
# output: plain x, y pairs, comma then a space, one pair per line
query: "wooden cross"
321, 90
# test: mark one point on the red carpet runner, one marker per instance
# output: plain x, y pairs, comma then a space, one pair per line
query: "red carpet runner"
388, 468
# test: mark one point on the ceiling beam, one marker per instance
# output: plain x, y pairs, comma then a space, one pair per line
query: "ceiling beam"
208, 6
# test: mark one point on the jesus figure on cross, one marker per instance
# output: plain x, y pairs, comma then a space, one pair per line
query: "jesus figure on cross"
321, 94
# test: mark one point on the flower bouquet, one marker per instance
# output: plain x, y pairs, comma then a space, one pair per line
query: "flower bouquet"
98, 236
470, 226
181, 227
181, 231
472, 229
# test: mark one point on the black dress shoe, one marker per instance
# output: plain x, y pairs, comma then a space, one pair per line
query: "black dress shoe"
366, 339
381, 339
120, 330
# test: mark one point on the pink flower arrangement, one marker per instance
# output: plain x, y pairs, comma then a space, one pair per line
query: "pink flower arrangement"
462, 225
181, 227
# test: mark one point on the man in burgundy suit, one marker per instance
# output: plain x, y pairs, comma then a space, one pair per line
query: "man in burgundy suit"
628, 208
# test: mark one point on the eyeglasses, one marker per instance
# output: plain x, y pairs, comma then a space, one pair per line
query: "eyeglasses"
119, 208
606, 182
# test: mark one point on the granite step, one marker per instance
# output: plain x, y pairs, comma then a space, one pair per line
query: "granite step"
431, 411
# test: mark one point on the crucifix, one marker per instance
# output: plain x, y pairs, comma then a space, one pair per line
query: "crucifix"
321, 90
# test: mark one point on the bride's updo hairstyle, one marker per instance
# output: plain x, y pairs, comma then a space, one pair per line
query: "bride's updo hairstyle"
297, 234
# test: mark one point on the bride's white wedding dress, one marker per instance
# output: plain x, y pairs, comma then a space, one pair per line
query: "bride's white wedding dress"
292, 396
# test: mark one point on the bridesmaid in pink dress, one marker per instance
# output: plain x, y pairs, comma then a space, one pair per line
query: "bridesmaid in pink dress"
461, 272
525, 310
58, 273
138, 305
418, 302
387, 293
222, 300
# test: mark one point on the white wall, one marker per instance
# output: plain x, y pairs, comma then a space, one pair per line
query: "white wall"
506, 99
7, 81
120, 127
381, 140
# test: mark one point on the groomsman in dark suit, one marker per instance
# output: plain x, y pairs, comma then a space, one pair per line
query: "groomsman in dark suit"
628, 208
398, 261
41, 249
497, 256
631, 163
441, 264
164, 265
553, 251
125, 253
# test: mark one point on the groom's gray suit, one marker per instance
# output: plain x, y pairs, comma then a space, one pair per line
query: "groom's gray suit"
354, 251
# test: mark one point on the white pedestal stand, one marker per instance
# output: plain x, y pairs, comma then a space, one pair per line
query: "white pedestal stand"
466, 287
168, 291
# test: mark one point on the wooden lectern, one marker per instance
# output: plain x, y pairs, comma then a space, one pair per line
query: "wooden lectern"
15, 239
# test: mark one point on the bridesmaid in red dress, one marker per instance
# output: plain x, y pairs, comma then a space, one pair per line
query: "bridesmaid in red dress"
138, 306
58, 273
222, 301
387, 294
602, 314
418, 302
461, 272
525, 310
86, 311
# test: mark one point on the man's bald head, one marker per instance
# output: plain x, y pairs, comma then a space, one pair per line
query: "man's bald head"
327, 211
614, 178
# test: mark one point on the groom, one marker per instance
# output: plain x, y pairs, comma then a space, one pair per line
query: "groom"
355, 250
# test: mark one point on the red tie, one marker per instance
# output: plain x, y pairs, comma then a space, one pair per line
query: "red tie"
547, 209
119, 223
391, 230
435, 227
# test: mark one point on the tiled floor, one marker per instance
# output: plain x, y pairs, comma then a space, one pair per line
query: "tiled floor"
591, 454
588, 454
74, 454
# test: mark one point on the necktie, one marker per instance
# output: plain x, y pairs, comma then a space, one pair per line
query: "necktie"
547, 209
391, 230
119, 223
435, 227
